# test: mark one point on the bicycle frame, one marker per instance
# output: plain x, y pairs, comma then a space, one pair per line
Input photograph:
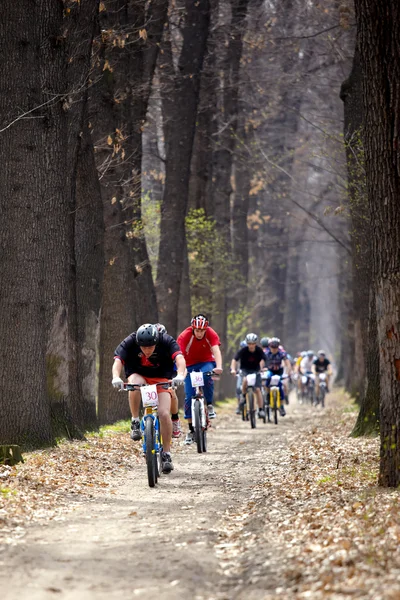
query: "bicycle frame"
149, 412
275, 379
200, 428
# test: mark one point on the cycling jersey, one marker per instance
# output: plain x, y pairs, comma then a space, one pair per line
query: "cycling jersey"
321, 366
250, 361
198, 351
159, 364
306, 364
273, 362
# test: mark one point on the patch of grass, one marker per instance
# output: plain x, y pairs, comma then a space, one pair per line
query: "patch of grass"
351, 407
7, 492
324, 479
118, 427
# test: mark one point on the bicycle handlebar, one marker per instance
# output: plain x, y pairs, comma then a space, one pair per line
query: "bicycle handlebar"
133, 387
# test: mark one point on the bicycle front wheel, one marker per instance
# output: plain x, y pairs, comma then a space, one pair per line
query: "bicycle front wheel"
250, 395
198, 430
264, 397
151, 457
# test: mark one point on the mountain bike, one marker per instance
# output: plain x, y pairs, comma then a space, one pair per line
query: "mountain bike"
308, 387
150, 426
200, 420
265, 397
275, 396
323, 388
248, 407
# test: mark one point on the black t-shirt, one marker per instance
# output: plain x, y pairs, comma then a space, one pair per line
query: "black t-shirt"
321, 367
159, 364
250, 361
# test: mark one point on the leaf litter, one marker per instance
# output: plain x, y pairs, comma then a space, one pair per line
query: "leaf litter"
315, 524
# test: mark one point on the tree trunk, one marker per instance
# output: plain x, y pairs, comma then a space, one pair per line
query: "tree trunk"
86, 206
179, 143
379, 37
89, 250
119, 107
38, 275
222, 163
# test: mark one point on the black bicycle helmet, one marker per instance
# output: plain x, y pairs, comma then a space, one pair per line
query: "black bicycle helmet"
147, 335
264, 342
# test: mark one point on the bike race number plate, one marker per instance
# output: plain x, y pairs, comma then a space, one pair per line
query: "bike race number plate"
149, 395
197, 379
251, 379
275, 379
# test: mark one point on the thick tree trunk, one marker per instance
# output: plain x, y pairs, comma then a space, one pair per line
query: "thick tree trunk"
222, 164
38, 274
379, 37
24, 407
351, 94
179, 143
86, 206
365, 375
89, 250
119, 106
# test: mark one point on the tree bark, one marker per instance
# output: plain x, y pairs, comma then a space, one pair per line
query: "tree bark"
380, 61
86, 205
24, 402
222, 164
364, 378
119, 105
182, 120
43, 310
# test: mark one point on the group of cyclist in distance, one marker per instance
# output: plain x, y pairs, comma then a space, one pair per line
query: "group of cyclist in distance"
149, 355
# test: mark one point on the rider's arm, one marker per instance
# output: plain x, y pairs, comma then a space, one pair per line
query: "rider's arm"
314, 369
262, 365
117, 367
217, 355
233, 365
180, 365
288, 365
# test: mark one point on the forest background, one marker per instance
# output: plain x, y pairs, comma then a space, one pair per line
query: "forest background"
163, 158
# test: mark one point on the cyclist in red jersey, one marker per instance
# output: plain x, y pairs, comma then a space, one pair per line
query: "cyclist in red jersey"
200, 344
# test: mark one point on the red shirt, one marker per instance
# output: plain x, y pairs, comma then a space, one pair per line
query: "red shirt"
198, 351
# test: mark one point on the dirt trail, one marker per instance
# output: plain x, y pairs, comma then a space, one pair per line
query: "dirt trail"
185, 539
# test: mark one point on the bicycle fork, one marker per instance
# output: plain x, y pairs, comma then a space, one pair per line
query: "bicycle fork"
203, 423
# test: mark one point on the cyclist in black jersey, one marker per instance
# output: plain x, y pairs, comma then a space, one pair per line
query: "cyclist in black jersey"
251, 360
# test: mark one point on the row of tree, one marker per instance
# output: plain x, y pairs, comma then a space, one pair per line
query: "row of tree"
165, 157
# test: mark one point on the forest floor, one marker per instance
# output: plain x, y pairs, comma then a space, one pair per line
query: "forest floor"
288, 511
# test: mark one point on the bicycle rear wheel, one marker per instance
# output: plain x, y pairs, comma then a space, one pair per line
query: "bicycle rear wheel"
250, 395
275, 405
151, 457
198, 431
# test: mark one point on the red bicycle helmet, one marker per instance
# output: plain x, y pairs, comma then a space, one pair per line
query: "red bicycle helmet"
199, 322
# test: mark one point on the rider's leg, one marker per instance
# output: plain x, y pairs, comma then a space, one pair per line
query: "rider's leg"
281, 390
327, 382
208, 382
259, 398
189, 393
174, 403
316, 385
176, 424
164, 410
135, 397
